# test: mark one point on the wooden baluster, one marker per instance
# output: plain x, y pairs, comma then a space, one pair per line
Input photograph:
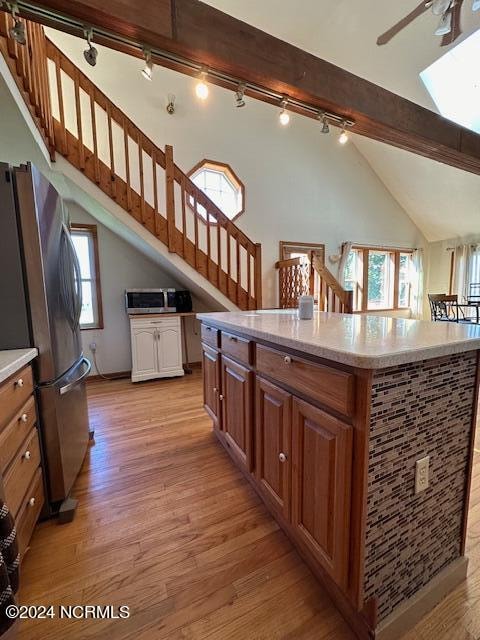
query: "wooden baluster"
219, 254
184, 218
142, 182
78, 109
61, 109
155, 185
229, 259
209, 248
195, 223
127, 165
113, 186
170, 197
249, 279
96, 161
239, 273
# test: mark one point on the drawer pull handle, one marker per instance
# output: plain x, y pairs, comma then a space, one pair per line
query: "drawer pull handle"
220, 397
282, 457
233, 338
215, 390
24, 417
19, 383
208, 328
287, 360
27, 455
31, 502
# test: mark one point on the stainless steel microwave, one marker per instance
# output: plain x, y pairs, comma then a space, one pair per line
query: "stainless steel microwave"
150, 301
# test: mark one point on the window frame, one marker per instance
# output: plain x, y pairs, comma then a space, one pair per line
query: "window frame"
90, 230
226, 169
362, 289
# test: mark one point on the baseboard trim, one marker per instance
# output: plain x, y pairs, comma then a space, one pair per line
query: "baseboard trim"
408, 614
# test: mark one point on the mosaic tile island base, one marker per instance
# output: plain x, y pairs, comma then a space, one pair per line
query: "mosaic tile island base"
327, 419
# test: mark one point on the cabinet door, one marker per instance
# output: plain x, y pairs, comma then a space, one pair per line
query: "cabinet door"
169, 346
321, 481
273, 444
211, 383
144, 353
236, 400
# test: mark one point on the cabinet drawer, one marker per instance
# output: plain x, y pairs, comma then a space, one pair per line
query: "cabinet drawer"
210, 336
16, 431
331, 387
29, 511
21, 471
236, 347
14, 392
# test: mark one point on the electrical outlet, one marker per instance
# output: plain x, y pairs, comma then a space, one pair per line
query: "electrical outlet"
421, 474
93, 347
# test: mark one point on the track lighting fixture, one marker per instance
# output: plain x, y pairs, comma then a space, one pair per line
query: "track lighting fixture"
284, 116
240, 96
171, 104
17, 32
202, 87
147, 70
91, 53
343, 139
323, 119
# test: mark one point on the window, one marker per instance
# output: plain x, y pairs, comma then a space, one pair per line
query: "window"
85, 241
380, 278
453, 81
219, 182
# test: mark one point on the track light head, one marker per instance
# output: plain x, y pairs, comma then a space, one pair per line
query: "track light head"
445, 25
147, 71
324, 120
17, 32
284, 116
90, 54
171, 104
202, 89
240, 96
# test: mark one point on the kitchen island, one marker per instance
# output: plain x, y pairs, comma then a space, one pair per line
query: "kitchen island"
357, 432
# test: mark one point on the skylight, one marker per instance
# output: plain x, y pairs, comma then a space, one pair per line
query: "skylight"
453, 81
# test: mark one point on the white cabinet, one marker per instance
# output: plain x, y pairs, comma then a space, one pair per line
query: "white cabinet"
156, 348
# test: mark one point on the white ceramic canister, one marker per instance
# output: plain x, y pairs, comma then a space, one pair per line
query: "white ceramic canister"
305, 307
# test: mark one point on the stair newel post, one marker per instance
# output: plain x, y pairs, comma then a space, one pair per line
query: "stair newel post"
170, 196
258, 275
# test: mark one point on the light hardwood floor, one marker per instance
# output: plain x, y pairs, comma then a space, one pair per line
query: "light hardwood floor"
168, 526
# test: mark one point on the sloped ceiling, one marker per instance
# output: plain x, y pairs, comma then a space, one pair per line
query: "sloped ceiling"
444, 202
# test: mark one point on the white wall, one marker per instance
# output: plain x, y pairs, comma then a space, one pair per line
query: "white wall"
300, 185
123, 267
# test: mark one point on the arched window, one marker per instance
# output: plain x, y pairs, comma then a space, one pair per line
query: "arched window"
220, 183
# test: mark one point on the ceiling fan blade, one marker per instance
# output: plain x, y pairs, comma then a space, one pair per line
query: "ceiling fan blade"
456, 30
393, 31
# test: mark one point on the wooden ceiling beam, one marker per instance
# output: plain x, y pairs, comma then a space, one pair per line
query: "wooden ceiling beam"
206, 36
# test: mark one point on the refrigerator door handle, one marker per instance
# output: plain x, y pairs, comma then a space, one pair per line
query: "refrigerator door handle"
68, 387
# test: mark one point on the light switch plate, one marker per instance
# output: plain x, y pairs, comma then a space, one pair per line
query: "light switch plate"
422, 479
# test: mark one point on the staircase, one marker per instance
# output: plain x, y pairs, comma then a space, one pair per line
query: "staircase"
297, 278
81, 123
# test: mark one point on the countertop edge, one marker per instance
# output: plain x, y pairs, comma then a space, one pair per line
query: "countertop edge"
346, 358
15, 359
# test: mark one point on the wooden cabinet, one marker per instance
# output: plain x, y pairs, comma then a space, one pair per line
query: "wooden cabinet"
211, 384
273, 445
156, 348
321, 484
237, 406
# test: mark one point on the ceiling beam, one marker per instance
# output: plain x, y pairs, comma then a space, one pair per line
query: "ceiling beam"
206, 36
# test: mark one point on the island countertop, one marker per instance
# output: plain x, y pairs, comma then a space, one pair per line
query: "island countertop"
364, 341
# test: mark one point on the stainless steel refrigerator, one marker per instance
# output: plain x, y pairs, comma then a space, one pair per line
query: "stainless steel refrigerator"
40, 295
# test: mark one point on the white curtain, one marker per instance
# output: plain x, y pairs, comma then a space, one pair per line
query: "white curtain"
416, 298
461, 271
346, 248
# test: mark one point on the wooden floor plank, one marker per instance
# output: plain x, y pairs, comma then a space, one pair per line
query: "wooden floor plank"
167, 525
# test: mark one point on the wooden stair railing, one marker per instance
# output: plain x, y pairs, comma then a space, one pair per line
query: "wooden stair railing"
28, 66
298, 278
330, 294
81, 123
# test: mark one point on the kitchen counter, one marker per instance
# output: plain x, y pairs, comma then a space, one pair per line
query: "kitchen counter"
368, 342
358, 434
12, 360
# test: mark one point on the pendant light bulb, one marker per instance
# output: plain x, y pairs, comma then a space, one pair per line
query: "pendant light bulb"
284, 116
147, 71
201, 88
